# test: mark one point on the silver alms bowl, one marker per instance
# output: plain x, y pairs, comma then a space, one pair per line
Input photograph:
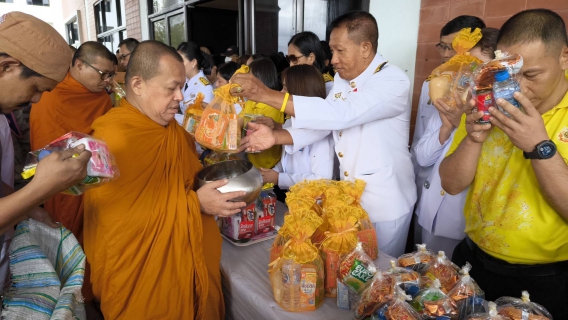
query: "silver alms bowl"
242, 175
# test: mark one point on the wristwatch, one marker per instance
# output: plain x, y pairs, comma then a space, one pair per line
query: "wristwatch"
542, 151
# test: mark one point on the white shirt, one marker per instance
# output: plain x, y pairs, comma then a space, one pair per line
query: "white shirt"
425, 112
438, 212
192, 87
370, 119
328, 87
312, 162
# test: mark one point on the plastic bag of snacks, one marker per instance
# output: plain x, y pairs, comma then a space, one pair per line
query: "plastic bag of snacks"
397, 309
432, 302
454, 76
407, 279
297, 274
491, 315
341, 238
443, 270
419, 260
101, 168
483, 78
380, 291
522, 309
218, 129
467, 294
193, 114
356, 270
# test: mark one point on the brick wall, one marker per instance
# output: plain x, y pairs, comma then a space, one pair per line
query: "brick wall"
133, 28
434, 14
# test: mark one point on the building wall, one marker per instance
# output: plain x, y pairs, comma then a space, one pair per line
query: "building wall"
51, 14
434, 14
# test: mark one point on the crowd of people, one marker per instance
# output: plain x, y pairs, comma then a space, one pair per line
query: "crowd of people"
484, 193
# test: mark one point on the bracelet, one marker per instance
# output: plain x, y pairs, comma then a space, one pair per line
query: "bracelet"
285, 102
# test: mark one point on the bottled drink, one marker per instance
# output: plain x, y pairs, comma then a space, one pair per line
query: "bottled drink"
291, 276
504, 87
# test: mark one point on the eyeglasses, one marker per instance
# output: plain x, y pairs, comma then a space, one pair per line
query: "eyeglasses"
104, 75
123, 56
293, 59
442, 48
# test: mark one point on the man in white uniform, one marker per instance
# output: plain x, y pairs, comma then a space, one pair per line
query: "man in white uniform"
368, 112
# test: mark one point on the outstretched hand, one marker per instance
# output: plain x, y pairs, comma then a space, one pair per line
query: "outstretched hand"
259, 137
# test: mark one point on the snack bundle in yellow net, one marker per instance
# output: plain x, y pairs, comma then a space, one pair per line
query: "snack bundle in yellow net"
297, 274
193, 114
219, 129
453, 77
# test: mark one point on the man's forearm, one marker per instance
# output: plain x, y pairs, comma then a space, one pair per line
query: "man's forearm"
552, 176
458, 170
276, 98
283, 137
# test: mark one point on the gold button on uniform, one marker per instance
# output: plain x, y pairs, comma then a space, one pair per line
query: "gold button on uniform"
346, 174
340, 154
353, 85
442, 193
340, 133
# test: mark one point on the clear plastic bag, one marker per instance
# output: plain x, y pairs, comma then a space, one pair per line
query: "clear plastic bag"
432, 302
492, 314
467, 294
443, 270
100, 169
397, 309
522, 309
407, 279
419, 261
379, 292
356, 270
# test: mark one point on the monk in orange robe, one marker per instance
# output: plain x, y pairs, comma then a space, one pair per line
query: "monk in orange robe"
152, 241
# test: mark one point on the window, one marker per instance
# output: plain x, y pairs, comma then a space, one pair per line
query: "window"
72, 29
169, 28
6, 1
109, 22
36, 2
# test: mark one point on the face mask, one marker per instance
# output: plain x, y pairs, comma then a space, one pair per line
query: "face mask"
228, 59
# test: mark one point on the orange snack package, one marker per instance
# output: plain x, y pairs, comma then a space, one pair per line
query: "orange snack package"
193, 114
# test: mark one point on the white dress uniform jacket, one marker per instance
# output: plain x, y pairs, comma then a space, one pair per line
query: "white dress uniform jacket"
425, 111
438, 212
370, 118
192, 87
313, 162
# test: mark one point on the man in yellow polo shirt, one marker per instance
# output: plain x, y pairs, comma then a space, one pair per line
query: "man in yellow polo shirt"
517, 169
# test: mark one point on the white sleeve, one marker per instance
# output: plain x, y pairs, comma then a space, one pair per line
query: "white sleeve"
321, 164
428, 150
304, 137
382, 96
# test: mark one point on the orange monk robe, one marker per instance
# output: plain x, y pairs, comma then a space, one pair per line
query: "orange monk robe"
153, 255
68, 107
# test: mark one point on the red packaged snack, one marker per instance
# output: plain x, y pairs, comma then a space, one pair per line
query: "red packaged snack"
240, 227
443, 270
265, 209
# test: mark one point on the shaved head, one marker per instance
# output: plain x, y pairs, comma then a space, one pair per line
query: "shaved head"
361, 27
145, 60
90, 50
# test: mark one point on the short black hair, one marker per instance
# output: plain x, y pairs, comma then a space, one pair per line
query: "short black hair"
145, 59
227, 70
308, 42
130, 44
534, 25
361, 26
90, 50
265, 70
192, 51
26, 72
461, 22
210, 63
488, 41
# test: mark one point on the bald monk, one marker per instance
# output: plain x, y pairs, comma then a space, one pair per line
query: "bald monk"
152, 241
73, 106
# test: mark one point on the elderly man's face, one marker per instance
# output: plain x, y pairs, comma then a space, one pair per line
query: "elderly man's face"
161, 95
349, 58
17, 92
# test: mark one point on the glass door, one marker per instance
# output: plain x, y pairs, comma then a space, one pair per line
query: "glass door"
169, 28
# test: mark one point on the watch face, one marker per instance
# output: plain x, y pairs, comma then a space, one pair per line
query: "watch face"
546, 150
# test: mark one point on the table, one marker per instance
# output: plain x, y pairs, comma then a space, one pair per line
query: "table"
247, 290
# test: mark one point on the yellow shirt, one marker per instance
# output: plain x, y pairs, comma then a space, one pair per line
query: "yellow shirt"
270, 157
506, 213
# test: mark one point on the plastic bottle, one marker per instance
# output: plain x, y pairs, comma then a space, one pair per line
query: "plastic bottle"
504, 87
291, 274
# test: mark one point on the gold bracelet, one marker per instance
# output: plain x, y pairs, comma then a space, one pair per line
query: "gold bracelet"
285, 102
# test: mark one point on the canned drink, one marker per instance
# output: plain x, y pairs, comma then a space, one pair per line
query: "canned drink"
484, 100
